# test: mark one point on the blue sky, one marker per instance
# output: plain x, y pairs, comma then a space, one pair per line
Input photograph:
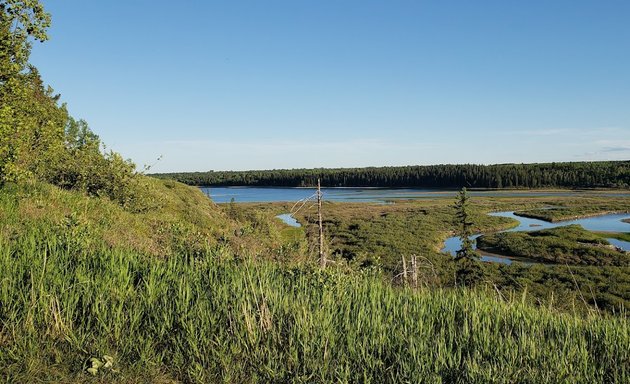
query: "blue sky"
235, 85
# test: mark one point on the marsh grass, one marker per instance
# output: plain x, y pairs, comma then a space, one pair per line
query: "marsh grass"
576, 208
211, 318
624, 236
570, 244
362, 235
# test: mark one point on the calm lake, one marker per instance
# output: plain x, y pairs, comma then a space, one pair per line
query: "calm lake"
370, 195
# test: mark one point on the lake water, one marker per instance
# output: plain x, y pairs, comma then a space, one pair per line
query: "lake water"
371, 195
605, 223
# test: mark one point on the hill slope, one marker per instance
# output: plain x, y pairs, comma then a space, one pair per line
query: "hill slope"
173, 216
211, 319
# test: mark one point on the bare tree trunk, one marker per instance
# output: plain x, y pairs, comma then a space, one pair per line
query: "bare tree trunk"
322, 259
414, 271
404, 271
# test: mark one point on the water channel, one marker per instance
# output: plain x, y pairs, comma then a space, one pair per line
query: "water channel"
603, 223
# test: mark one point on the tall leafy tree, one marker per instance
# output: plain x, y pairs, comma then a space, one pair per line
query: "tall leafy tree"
38, 138
20, 21
31, 121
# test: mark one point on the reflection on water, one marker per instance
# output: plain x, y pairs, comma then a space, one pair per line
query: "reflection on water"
603, 223
625, 245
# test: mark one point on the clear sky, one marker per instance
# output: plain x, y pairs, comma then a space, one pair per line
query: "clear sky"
233, 85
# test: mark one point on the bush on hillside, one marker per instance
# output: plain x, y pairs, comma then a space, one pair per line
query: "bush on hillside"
39, 140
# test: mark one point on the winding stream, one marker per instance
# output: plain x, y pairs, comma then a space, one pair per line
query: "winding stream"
603, 223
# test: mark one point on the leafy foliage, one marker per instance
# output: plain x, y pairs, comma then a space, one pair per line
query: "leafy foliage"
38, 139
31, 127
19, 21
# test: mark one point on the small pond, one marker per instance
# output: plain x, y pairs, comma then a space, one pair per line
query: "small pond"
289, 220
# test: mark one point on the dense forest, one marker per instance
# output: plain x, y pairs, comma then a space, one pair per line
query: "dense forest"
602, 174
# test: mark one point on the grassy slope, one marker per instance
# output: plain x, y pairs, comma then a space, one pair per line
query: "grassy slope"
173, 217
214, 319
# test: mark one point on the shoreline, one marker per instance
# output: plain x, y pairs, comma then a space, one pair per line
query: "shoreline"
422, 188
574, 217
513, 258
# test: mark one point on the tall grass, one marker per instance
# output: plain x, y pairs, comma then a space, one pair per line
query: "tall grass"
208, 319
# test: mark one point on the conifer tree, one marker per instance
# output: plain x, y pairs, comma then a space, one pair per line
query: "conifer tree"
464, 225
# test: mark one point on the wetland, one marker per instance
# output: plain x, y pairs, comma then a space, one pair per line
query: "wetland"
373, 235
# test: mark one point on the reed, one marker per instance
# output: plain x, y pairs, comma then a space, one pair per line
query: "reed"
211, 318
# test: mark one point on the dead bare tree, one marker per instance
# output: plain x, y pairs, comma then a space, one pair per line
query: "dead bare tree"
322, 258
414, 271
404, 274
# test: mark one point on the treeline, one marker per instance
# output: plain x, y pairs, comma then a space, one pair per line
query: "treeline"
601, 174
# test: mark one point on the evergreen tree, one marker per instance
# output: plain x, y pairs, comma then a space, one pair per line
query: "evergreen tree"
464, 225
468, 271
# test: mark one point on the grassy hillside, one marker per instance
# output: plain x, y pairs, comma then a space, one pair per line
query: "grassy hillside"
172, 293
186, 318
172, 216
167, 218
